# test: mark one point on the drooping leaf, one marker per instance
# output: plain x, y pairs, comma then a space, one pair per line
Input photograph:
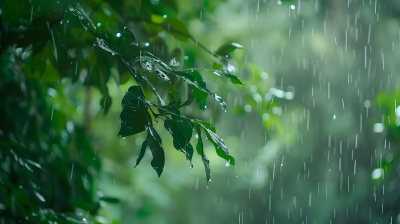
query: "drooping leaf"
200, 151
219, 144
142, 151
155, 145
227, 48
184, 125
199, 95
180, 140
133, 122
181, 131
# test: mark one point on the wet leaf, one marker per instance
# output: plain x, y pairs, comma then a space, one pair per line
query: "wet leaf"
219, 144
199, 95
179, 139
142, 152
200, 151
155, 145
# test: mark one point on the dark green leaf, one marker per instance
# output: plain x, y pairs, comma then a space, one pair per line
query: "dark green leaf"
134, 99
199, 95
155, 145
181, 135
184, 125
219, 144
200, 151
142, 151
227, 48
134, 116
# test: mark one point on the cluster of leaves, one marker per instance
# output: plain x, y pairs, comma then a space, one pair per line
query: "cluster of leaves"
48, 166
135, 116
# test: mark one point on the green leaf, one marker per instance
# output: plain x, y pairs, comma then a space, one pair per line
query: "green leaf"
180, 140
185, 126
200, 151
133, 122
155, 145
134, 116
142, 151
199, 95
227, 48
181, 131
219, 144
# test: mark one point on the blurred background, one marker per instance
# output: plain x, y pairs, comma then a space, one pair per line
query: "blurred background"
314, 130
